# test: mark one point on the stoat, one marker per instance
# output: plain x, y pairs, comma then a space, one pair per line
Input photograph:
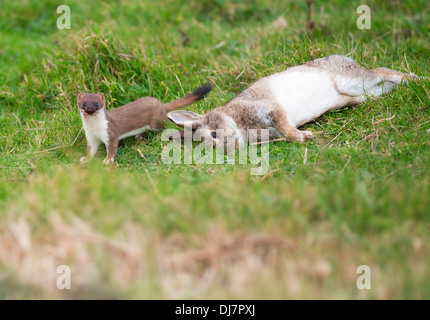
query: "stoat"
131, 119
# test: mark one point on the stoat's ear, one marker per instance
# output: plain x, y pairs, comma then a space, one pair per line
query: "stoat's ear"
80, 96
102, 97
183, 118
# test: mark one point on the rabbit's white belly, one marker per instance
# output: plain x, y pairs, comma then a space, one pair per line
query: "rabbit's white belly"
304, 95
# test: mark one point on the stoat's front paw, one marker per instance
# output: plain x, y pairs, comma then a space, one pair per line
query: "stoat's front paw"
83, 160
107, 161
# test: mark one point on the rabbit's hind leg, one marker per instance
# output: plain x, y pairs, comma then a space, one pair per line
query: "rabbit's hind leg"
373, 82
369, 90
390, 75
383, 81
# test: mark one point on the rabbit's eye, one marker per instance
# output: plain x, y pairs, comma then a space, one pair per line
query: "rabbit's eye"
213, 134
84, 104
96, 104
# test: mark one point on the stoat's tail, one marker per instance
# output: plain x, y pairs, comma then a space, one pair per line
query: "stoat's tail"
197, 94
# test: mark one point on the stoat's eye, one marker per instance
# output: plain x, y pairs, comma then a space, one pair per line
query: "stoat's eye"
84, 104
96, 104
213, 134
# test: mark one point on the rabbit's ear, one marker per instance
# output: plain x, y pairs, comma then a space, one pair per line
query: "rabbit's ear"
184, 117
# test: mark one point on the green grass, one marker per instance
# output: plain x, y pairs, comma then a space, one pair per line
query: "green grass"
357, 194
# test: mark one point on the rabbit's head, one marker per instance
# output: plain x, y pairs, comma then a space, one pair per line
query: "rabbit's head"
213, 128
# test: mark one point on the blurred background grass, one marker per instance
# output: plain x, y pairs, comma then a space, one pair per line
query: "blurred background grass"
357, 194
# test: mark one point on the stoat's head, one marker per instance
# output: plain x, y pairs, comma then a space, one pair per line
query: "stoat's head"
90, 103
215, 128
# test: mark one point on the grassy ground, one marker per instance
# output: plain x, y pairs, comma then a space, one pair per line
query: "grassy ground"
359, 194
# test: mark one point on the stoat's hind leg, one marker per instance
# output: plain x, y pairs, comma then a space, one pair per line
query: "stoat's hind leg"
142, 136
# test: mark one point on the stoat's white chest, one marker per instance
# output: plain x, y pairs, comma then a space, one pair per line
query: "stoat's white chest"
96, 125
